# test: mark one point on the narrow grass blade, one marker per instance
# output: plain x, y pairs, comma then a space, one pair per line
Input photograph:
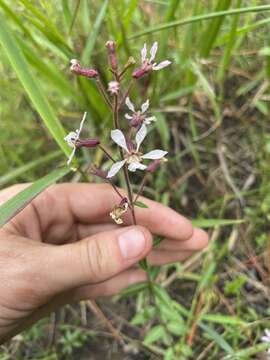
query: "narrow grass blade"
208, 89
223, 319
49, 71
30, 85
17, 20
47, 28
230, 46
90, 43
209, 36
20, 171
197, 18
207, 223
218, 339
248, 352
66, 13
18, 202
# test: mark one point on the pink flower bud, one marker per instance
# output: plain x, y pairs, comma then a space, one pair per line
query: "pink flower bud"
153, 166
141, 71
113, 87
98, 172
89, 143
138, 73
76, 68
112, 55
123, 202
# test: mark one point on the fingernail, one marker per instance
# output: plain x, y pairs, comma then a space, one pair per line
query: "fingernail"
131, 243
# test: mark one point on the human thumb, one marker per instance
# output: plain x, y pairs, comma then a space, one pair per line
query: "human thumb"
96, 258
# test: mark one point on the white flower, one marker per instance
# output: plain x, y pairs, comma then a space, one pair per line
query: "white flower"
138, 117
113, 87
133, 157
151, 61
149, 64
73, 137
266, 338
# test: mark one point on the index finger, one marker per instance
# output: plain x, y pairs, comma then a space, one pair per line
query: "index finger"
92, 203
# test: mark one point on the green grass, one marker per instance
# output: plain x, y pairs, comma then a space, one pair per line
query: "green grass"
212, 107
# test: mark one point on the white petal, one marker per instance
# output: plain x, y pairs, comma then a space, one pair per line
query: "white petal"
119, 138
70, 138
150, 119
161, 65
155, 154
81, 124
127, 116
71, 155
153, 51
143, 53
135, 165
267, 332
265, 339
115, 168
129, 104
141, 134
145, 106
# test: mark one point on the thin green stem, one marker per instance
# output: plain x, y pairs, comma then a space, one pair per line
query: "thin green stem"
103, 93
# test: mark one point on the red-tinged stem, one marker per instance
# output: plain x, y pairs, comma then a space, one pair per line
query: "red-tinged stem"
126, 93
141, 187
127, 181
106, 152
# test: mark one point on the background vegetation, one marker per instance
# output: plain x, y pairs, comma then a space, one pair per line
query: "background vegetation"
212, 107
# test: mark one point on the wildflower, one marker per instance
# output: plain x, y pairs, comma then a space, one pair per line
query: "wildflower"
132, 157
112, 55
75, 67
138, 117
149, 64
266, 338
119, 210
73, 140
113, 87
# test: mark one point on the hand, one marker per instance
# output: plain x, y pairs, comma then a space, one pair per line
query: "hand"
63, 247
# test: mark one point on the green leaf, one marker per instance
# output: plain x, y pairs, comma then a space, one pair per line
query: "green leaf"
90, 42
142, 317
30, 85
234, 286
176, 328
21, 170
18, 202
134, 289
192, 19
209, 36
140, 204
206, 223
223, 319
248, 352
163, 130
219, 340
155, 334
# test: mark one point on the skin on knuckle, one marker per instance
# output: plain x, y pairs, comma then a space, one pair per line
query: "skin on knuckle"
95, 260
189, 230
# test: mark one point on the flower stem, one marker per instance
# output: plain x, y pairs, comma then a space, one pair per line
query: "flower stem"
106, 152
103, 93
141, 187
